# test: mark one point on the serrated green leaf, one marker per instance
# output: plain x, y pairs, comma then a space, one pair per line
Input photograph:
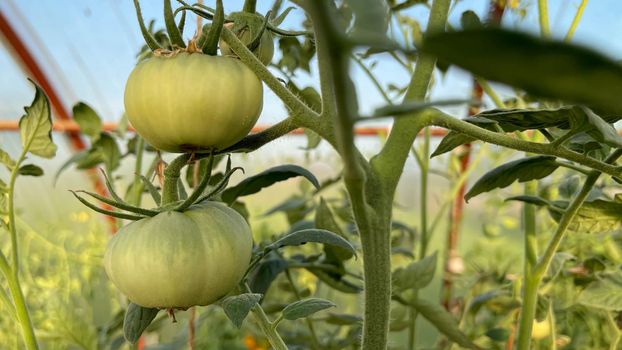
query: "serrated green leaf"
237, 307
35, 127
266, 178
416, 275
30, 170
136, 320
305, 308
544, 68
90, 123
311, 235
522, 170
593, 217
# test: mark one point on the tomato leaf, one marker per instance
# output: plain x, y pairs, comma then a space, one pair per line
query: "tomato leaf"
237, 307
543, 68
311, 235
452, 140
6, 159
416, 275
262, 277
336, 281
35, 127
595, 216
604, 293
526, 169
325, 220
137, 319
343, 319
443, 321
30, 170
88, 120
256, 183
305, 308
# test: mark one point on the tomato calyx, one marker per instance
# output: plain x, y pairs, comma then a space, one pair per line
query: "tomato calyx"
170, 185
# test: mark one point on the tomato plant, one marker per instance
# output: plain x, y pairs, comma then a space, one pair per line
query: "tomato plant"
177, 260
561, 119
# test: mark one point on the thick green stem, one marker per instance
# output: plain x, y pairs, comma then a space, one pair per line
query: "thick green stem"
171, 176
391, 159
532, 283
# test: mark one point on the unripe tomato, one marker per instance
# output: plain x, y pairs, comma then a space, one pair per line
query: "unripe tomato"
540, 329
178, 260
192, 102
265, 50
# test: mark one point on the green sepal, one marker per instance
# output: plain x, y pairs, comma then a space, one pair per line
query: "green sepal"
213, 36
149, 39
171, 26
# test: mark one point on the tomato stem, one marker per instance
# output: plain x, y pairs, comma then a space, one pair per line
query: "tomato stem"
170, 191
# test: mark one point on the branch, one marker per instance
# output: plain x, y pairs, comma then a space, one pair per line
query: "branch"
255, 141
441, 119
389, 163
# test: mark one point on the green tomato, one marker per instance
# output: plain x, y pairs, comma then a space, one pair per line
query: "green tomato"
178, 260
265, 50
193, 102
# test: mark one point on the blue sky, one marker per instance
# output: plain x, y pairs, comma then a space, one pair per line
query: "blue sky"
89, 47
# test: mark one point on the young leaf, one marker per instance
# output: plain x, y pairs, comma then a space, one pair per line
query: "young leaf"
305, 308
237, 307
30, 170
6, 159
543, 68
90, 123
280, 18
266, 178
526, 169
136, 320
416, 275
443, 321
35, 127
452, 140
311, 235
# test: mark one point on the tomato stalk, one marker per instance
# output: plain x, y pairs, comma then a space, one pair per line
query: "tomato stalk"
172, 173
